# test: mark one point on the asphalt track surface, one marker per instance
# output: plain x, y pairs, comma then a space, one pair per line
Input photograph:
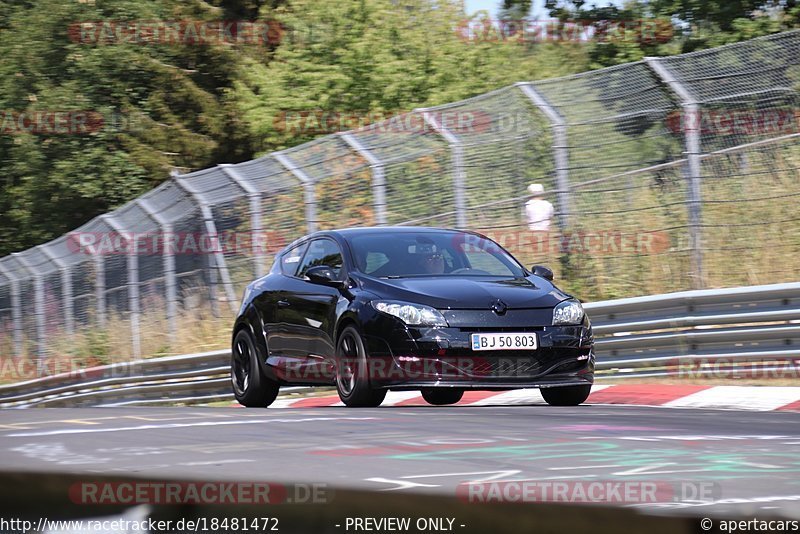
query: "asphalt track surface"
745, 462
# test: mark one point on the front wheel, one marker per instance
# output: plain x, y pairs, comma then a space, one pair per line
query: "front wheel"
566, 395
250, 387
442, 397
352, 375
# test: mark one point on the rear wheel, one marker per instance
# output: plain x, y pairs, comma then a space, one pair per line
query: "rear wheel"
352, 375
250, 387
442, 397
566, 395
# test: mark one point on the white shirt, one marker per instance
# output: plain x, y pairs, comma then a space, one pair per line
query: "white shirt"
539, 212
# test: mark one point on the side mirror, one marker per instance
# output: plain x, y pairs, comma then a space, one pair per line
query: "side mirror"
542, 271
323, 275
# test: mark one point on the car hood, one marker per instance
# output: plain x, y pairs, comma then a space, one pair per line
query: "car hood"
468, 293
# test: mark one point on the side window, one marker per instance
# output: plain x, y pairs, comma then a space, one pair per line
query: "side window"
290, 261
322, 252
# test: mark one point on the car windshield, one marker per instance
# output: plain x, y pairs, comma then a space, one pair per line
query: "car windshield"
407, 253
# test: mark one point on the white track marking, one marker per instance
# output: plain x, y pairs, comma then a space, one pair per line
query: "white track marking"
180, 425
396, 397
517, 396
401, 484
757, 398
217, 462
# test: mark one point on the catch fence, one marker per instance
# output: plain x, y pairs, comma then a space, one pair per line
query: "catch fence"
666, 174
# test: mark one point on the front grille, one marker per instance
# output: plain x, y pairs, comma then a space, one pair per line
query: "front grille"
513, 318
507, 367
513, 364
500, 329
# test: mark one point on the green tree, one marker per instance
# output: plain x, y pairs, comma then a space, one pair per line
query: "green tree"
162, 106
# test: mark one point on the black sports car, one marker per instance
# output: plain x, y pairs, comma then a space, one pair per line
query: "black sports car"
441, 311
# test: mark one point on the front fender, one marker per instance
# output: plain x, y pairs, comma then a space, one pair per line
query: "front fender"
357, 311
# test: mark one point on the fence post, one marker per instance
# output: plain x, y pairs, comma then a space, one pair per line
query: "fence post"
100, 289
256, 225
216, 260
459, 175
66, 289
560, 150
16, 311
38, 305
133, 282
378, 176
168, 252
308, 188
693, 155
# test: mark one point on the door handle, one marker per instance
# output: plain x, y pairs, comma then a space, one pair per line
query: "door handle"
284, 304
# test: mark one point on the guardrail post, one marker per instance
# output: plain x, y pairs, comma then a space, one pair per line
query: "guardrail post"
168, 252
378, 176
133, 282
66, 289
216, 260
308, 188
693, 155
16, 310
560, 150
459, 175
256, 224
38, 306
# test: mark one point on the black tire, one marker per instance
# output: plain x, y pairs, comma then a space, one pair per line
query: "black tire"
566, 395
250, 387
352, 375
442, 396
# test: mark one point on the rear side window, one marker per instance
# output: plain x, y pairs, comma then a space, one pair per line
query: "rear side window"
322, 252
290, 261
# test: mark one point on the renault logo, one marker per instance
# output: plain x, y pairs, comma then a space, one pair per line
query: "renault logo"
499, 307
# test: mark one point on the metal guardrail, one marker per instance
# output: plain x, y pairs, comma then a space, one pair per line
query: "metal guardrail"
691, 334
192, 377
700, 333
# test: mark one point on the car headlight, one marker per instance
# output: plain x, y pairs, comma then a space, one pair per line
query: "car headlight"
411, 314
568, 312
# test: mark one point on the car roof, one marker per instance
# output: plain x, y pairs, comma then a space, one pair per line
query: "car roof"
347, 233
369, 230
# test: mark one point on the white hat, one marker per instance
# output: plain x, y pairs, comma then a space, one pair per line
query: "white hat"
536, 189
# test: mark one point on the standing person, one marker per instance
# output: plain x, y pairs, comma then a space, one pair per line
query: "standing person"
538, 211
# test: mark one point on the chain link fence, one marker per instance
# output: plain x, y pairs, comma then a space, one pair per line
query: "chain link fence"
666, 174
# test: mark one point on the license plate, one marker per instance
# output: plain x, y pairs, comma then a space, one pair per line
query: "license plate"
505, 341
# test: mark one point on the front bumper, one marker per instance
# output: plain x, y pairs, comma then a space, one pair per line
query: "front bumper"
402, 357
